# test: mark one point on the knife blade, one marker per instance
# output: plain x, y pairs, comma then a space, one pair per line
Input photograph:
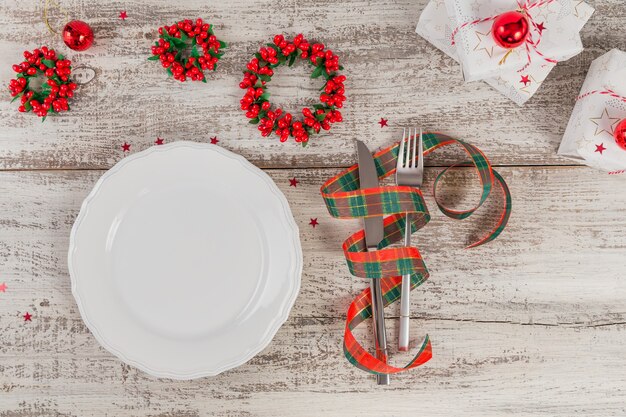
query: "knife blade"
368, 178
374, 233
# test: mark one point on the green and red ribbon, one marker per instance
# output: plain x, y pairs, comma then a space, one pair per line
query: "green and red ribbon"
345, 200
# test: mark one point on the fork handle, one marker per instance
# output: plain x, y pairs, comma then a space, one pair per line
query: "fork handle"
405, 300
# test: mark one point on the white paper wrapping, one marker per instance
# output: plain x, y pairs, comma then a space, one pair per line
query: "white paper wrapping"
436, 26
589, 133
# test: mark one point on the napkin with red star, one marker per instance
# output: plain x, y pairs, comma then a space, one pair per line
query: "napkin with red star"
479, 56
600, 107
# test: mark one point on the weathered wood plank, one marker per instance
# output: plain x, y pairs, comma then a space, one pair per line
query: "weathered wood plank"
560, 261
392, 73
479, 369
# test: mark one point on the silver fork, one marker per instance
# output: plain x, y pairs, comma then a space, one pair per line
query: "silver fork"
409, 172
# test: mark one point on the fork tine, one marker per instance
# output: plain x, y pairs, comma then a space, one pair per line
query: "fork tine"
408, 151
420, 162
414, 147
401, 151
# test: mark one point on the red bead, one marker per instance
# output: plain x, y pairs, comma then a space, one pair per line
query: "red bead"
510, 29
77, 35
31, 71
620, 134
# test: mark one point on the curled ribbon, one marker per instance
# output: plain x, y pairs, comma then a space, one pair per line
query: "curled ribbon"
344, 200
525, 6
606, 92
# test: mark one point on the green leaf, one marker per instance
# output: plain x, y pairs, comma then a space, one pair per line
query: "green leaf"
292, 59
304, 144
317, 72
28, 106
264, 77
17, 96
43, 119
265, 96
169, 71
254, 121
204, 80
258, 84
154, 58
262, 114
183, 36
194, 41
60, 56
274, 47
326, 75
178, 56
320, 117
318, 106
340, 68
258, 56
48, 63
20, 75
210, 31
319, 61
223, 44
194, 52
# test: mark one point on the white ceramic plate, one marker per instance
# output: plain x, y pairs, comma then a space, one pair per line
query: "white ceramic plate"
185, 260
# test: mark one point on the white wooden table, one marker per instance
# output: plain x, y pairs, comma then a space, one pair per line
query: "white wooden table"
533, 323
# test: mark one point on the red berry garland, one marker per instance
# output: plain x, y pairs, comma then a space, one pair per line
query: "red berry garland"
175, 39
54, 92
260, 70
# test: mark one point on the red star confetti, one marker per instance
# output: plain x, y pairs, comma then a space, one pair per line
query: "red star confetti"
3, 287
293, 182
126, 147
313, 222
214, 140
27, 316
159, 141
123, 15
540, 27
525, 79
383, 123
600, 148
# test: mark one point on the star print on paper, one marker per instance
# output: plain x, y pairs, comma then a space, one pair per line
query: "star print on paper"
158, 141
27, 316
123, 15
383, 123
481, 37
600, 148
540, 28
525, 79
126, 147
3, 287
293, 182
214, 140
313, 222
605, 123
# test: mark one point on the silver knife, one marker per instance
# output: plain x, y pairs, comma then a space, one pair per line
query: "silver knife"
374, 233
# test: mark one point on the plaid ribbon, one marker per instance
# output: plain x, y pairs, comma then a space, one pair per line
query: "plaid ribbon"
344, 200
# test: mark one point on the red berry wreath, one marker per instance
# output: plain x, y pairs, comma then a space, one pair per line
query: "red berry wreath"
260, 70
175, 39
53, 94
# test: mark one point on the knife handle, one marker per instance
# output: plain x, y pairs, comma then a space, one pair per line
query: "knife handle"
380, 334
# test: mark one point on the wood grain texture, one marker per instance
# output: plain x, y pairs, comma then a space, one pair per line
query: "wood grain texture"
532, 324
392, 73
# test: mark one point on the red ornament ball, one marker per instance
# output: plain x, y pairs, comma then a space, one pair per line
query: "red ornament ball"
78, 35
510, 29
620, 134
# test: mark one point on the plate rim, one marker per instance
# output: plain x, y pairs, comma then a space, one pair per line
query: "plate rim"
296, 274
